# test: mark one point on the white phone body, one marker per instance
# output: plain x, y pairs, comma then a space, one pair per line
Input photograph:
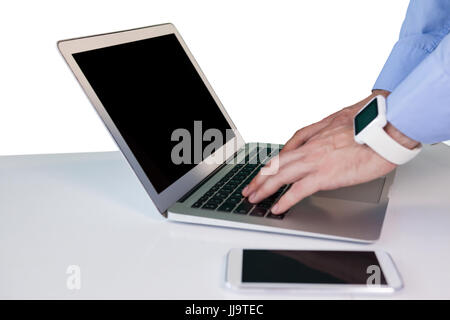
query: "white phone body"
393, 279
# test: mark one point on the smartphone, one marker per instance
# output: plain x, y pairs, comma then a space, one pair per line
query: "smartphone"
321, 270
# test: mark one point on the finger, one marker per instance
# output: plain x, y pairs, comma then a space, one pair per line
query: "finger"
298, 191
281, 162
271, 168
302, 135
289, 174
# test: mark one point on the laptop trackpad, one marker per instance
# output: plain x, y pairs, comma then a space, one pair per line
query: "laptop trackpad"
365, 192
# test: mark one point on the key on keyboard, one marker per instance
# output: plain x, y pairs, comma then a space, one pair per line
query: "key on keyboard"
225, 195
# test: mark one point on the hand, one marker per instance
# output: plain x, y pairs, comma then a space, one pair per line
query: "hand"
335, 120
328, 160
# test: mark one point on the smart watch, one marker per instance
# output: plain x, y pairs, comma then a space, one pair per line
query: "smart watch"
369, 123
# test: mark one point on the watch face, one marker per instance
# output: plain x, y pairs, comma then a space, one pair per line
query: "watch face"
366, 116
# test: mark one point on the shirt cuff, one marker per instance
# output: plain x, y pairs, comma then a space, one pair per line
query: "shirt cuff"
403, 59
419, 106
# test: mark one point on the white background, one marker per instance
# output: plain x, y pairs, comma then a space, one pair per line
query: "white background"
276, 65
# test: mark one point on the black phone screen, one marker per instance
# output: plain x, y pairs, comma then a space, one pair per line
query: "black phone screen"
311, 267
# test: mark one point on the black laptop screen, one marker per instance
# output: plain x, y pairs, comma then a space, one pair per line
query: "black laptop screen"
150, 89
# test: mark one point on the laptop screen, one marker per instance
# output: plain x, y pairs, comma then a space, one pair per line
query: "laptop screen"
155, 97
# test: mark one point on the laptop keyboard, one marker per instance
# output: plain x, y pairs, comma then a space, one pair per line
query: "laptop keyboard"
226, 195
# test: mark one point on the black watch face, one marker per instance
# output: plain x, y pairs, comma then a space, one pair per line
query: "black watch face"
366, 116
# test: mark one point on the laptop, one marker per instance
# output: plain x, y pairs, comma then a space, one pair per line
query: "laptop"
184, 148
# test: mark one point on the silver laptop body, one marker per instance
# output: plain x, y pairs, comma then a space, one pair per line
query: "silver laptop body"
353, 213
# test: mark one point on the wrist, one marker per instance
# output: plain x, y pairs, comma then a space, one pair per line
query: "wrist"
371, 128
377, 92
401, 138
353, 109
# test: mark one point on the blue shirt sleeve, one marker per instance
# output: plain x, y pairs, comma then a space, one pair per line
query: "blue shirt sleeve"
426, 23
420, 105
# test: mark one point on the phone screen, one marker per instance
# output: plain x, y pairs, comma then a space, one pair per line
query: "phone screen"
311, 267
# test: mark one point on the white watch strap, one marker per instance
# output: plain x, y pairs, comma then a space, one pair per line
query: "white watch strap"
383, 144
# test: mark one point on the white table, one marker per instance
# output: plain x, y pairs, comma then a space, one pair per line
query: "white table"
90, 210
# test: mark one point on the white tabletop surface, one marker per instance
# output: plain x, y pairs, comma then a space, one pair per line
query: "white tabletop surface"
90, 210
